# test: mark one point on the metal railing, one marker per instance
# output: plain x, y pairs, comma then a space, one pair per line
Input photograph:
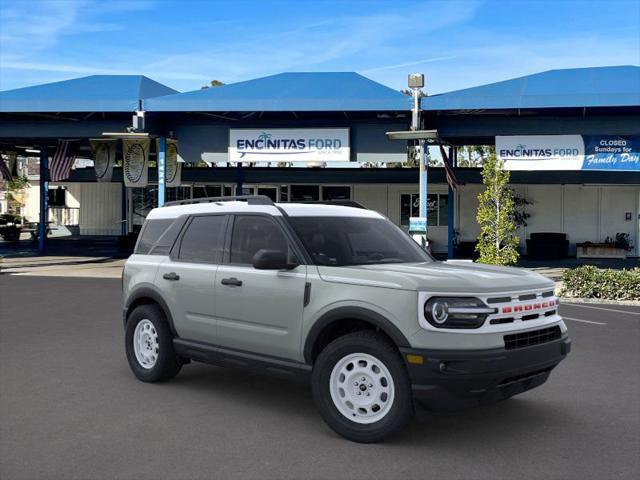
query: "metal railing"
64, 215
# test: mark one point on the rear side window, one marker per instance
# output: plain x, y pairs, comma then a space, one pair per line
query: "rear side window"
150, 234
203, 240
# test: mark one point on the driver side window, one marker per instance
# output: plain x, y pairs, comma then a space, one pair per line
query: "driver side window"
252, 233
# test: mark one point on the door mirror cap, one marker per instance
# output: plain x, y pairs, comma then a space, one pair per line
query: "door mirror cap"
272, 260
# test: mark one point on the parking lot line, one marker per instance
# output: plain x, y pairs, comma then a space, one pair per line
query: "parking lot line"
583, 321
601, 308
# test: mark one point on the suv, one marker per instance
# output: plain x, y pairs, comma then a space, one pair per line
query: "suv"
337, 295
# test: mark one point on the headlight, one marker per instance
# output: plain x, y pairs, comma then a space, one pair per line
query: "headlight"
456, 312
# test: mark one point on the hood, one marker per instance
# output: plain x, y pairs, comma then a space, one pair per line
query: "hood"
445, 277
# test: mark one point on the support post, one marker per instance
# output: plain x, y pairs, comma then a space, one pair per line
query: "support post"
453, 157
44, 200
423, 179
239, 178
124, 210
162, 178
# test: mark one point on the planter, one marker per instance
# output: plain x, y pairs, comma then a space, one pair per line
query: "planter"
599, 250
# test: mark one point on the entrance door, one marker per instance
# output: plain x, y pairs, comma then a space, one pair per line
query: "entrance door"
259, 310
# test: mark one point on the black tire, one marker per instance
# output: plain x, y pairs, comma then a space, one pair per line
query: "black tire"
377, 345
168, 364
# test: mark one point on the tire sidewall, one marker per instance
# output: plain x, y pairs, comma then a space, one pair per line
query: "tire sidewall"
375, 345
167, 362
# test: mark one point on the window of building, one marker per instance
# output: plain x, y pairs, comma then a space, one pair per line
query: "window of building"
336, 192
305, 193
437, 212
203, 240
57, 197
252, 233
203, 191
178, 193
143, 200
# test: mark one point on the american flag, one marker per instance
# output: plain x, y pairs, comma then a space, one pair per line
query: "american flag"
5, 172
448, 169
62, 161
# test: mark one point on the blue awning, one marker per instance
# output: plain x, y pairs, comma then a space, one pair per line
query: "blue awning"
288, 92
577, 87
96, 93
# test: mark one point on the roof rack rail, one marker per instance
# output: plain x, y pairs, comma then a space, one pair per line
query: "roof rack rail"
341, 203
250, 199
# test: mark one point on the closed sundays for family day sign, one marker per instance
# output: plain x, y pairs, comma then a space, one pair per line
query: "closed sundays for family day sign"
289, 145
569, 152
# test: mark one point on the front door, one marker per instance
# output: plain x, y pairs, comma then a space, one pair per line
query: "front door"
187, 278
259, 310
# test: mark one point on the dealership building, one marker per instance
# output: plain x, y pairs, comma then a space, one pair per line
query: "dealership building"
570, 137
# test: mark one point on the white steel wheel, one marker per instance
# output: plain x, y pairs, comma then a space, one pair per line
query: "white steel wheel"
145, 344
362, 388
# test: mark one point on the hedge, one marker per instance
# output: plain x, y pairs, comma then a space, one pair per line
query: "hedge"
593, 282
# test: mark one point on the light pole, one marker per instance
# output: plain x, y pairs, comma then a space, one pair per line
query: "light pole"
419, 228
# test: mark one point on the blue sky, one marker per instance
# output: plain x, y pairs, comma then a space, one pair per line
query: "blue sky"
184, 44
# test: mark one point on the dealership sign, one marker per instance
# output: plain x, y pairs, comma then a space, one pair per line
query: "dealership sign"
569, 152
289, 145
611, 153
541, 152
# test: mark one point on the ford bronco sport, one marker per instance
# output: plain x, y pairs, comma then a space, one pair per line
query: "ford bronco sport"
338, 295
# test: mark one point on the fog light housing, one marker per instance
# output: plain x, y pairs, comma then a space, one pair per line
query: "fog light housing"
456, 312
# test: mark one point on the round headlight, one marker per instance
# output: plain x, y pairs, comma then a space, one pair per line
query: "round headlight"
439, 311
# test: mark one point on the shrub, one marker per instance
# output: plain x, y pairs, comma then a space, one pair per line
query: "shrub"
592, 282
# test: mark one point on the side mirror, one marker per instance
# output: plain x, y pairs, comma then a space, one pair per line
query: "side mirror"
272, 260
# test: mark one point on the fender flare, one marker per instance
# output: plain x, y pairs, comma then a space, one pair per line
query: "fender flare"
352, 313
146, 292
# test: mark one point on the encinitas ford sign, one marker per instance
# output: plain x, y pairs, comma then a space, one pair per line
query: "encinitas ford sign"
289, 145
541, 152
569, 152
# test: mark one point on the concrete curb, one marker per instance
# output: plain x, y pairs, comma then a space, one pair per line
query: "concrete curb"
599, 301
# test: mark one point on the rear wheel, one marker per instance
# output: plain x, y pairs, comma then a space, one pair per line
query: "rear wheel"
361, 387
149, 345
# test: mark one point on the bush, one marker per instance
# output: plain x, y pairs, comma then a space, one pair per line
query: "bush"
592, 282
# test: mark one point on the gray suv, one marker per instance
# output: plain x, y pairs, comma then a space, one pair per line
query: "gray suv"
337, 295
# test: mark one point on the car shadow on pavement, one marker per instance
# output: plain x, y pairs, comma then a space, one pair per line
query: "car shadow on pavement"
512, 420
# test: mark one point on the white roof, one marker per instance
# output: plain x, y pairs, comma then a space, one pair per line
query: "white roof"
292, 209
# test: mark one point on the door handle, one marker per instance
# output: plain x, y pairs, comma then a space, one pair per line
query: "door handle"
173, 276
232, 282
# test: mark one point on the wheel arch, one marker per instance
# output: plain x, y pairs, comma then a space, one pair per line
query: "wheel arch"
146, 296
345, 319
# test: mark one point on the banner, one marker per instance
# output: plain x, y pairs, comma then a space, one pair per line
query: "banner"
610, 152
173, 166
541, 152
289, 145
135, 153
104, 157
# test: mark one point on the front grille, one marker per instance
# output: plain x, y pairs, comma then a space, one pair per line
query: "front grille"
534, 337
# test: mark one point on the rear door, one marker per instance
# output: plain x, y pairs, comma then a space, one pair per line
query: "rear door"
187, 277
259, 310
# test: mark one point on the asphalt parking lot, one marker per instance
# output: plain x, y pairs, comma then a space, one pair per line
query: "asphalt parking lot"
70, 408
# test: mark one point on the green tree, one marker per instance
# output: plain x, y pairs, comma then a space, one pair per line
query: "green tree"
213, 83
497, 242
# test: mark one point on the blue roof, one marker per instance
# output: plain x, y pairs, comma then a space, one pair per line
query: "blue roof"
96, 93
576, 87
288, 92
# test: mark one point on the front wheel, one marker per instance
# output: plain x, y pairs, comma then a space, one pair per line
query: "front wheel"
361, 387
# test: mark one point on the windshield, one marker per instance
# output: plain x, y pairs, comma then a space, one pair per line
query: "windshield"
342, 241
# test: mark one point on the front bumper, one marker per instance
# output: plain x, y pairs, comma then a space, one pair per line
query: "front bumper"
452, 379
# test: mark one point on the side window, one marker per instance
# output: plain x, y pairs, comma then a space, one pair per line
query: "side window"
252, 233
152, 230
203, 240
